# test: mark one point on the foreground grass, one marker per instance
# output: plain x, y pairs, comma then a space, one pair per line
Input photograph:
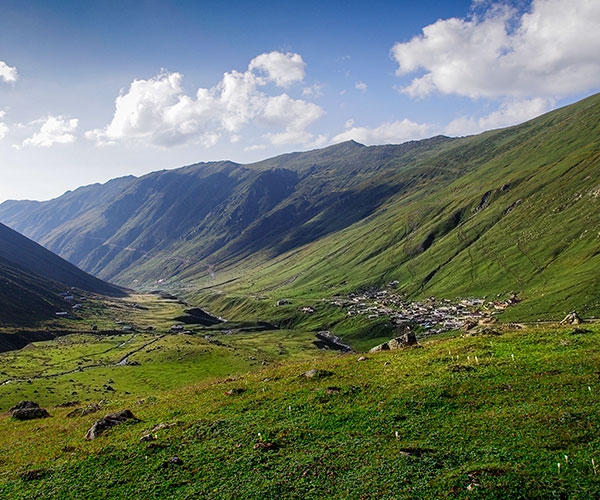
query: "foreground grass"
472, 417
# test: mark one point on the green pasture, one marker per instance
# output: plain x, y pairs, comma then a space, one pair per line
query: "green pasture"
506, 416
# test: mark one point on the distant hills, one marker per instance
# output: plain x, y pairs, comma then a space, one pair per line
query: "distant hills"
511, 210
32, 279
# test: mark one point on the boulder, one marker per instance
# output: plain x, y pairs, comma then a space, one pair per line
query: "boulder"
22, 405
30, 413
572, 319
107, 422
406, 340
28, 410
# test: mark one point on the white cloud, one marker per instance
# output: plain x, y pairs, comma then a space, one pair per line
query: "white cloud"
292, 115
509, 113
283, 111
158, 112
3, 126
314, 91
255, 147
8, 73
550, 51
387, 133
360, 86
53, 130
279, 68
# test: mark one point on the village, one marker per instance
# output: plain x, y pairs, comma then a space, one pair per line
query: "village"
427, 317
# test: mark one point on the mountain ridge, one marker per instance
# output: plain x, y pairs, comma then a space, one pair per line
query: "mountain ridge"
32, 280
441, 216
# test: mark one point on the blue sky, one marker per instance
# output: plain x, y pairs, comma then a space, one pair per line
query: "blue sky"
92, 90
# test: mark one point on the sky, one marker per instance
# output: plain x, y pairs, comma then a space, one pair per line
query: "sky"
91, 90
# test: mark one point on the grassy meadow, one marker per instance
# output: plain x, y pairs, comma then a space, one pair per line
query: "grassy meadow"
511, 415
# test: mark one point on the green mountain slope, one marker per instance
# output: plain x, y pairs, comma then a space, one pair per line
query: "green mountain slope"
522, 216
26, 298
34, 258
513, 210
32, 279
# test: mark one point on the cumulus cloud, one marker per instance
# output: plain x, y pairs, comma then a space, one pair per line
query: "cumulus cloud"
157, 111
387, 133
294, 116
550, 51
53, 130
281, 69
362, 86
8, 73
509, 113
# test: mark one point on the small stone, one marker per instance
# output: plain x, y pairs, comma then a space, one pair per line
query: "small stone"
316, 374
235, 391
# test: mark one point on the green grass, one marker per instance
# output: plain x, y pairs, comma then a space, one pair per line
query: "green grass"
513, 210
461, 417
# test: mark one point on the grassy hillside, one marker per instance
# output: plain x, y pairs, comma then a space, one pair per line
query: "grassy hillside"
513, 415
34, 258
27, 298
35, 287
507, 211
522, 216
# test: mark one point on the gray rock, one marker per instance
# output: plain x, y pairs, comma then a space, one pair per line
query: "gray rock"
21, 405
572, 319
109, 421
28, 410
316, 374
29, 413
406, 340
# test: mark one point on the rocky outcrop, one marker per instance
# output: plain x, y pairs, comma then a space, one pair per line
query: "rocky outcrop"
28, 410
326, 340
406, 340
198, 316
572, 319
109, 421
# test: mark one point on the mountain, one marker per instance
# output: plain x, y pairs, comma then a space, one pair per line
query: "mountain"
27, 298
213, 212
511, 210
32, 279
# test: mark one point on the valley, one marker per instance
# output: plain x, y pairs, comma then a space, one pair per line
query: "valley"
234, 351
